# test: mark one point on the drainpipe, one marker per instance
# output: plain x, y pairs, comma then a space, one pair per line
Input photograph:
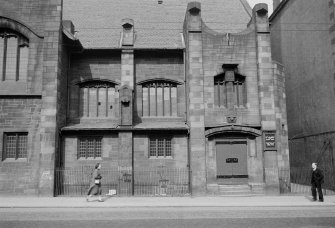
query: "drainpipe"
186, 120
67, 86
132, 164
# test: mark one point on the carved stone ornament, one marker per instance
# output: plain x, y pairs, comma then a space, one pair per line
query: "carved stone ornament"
230, 76
231, 119
125, 99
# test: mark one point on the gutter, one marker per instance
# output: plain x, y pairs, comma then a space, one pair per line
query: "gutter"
278, 10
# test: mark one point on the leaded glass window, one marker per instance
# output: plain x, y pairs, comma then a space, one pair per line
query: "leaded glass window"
15, 145
89, 147
160, 147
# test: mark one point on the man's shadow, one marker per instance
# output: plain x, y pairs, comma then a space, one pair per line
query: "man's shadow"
103, 198
310, 198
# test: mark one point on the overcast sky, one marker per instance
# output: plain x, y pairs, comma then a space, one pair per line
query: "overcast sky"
269, 2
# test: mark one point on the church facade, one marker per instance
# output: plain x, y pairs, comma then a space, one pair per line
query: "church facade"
176, 84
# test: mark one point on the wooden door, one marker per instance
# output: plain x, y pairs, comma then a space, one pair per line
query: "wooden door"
231, 159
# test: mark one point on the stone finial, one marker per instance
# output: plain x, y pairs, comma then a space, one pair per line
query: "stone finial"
127, 32
261, 9
260, 17
193, 17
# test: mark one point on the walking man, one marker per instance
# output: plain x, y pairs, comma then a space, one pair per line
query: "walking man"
316, 181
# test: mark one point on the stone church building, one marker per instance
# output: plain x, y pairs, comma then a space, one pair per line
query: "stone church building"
137, 86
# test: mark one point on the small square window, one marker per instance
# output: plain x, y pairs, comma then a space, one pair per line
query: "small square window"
160, 147
15, 145
89, 147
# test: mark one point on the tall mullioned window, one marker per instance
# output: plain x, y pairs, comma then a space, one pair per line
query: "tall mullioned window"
159, 98
160, 147
15, 145
89, 147
14, 49
97, 99
229, 92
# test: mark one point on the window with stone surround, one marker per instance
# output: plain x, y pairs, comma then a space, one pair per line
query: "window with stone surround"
159, 98
14, 49
229, 90
89, 147
97, 99
160, 146
15, 145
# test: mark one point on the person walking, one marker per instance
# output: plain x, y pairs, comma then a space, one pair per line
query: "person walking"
317, 181
95, 184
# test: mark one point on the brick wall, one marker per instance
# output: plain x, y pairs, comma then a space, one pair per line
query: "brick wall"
20, 115
141, 153
302, 36
306, 56
159, 65
281, 117
110, 152
238, 49
29, 12
27, 99
92, 65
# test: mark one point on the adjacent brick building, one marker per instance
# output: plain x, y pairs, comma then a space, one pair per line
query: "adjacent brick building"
302, 37
139, 85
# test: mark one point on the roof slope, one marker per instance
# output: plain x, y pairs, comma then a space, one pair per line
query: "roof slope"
98, 22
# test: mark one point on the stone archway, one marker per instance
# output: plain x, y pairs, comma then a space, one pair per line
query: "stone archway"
229, 150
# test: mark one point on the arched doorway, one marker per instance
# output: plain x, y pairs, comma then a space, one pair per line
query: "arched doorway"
231, 156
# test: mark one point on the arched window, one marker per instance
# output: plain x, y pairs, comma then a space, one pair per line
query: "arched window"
229, 92
13, 56
159, 98
97, 99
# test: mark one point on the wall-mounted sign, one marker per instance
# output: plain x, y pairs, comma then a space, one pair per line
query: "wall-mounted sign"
270, 141
232, 160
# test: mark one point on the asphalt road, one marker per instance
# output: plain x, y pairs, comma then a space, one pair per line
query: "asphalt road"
239, 217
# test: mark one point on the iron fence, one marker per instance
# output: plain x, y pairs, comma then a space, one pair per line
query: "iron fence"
126, 182
302, 176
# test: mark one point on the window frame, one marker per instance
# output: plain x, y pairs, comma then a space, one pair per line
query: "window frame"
22, 41
17, 147
97, 84
86, 138
238, 93
159, 83
166, 137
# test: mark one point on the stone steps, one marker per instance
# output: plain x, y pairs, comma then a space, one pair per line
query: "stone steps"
234, 190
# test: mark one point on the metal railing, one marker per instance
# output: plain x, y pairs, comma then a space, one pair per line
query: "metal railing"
302, 176
143, 182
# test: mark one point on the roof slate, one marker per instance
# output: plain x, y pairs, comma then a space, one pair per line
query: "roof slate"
98, 22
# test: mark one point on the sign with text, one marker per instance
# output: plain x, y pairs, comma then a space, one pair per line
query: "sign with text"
270, 141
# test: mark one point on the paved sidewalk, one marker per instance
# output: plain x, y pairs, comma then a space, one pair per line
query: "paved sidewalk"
119, 202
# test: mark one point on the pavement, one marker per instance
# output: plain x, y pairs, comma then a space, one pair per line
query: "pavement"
188, 201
